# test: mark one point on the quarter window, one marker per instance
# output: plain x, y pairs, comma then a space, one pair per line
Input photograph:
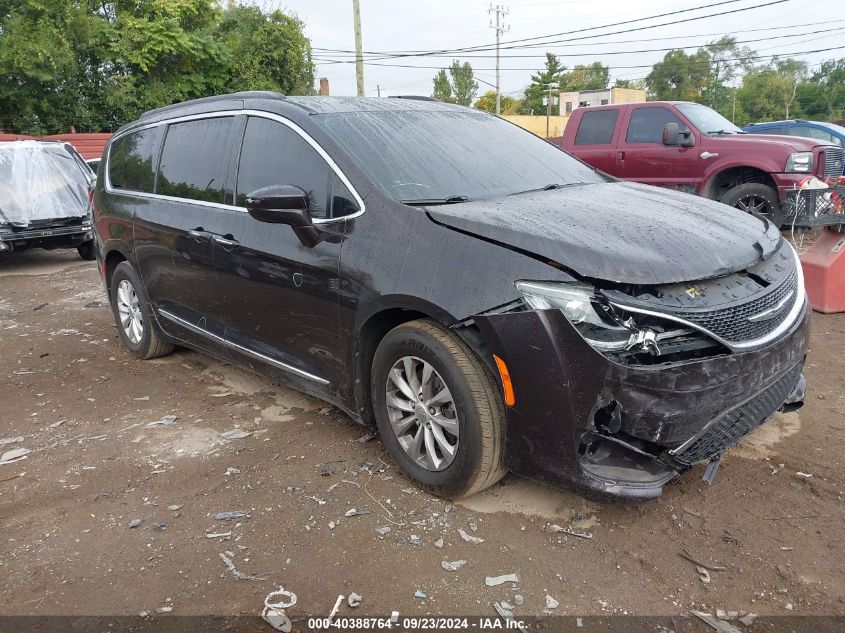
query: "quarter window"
131, 159
597, 127
274, 154
194, 159
646, 125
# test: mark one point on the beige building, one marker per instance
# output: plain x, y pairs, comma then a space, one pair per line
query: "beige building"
568, 102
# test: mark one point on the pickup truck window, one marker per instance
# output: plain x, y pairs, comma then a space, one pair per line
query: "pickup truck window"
646, 125
597, 127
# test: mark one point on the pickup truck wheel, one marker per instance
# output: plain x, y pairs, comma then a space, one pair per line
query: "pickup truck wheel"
86, 251
754, 197
438, 410
133, 315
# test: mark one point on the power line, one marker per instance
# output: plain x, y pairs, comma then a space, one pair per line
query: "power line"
506, 45
651, 50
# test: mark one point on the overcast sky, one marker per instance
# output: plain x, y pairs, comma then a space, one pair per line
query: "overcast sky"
432, 25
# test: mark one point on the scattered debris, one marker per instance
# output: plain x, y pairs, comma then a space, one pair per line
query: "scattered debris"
492, 581
218, 535
274, 614
715, 623
39, 306
11, 440
14, 455
518, 600
228, 516
232, 471
354, 600
804, 475
336, 608
159, 527
469, 538
56, 425
453, 566
367, 438
415, 540
551, 603
322, 502
394, 617
234, 434
174, 507
439, 543
503, 611
685, 554
134, 523
382, 531
703, 574
231, 567
553, 528
352, 512
163, 610
748, 619
325, 469
421, 595
168, 420
332, 525
727, 615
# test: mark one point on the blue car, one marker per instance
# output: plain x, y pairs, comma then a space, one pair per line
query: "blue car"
826, 132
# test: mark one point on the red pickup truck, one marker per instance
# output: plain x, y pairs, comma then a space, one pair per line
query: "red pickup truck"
688, 146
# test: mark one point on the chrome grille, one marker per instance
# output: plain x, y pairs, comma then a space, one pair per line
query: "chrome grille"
732, 324
736, 424
834, 161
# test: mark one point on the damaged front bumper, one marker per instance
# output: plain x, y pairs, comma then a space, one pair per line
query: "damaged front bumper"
60, 235
584, 421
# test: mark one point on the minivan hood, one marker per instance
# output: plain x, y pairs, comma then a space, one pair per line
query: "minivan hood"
622, 231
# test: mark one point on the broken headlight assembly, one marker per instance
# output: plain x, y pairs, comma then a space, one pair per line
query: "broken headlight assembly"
602, 326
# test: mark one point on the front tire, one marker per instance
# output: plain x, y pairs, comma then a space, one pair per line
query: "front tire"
438, 410
133, 315
86, 251
754, 197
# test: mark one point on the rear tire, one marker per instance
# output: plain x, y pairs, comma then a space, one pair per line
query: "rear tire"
86, 251
754, 197
133, 315
473, 413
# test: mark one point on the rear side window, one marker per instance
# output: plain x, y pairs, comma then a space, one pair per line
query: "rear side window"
131, 159
597, 127
273, 154
646, 125
194, 160
769, 130
813, 132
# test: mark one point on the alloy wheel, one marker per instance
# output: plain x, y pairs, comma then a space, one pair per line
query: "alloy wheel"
422, 413
754, 204
129, 310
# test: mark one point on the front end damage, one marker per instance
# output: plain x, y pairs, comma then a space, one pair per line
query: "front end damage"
685, 372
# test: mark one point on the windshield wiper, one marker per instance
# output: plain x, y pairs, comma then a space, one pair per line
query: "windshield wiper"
554, 185
726, 132
431, 202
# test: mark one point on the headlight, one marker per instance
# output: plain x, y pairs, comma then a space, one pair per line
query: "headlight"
800, 162
581, 307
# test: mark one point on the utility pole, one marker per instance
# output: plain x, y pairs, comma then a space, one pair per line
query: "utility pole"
359, 55
549, 88
500, 12
378, 88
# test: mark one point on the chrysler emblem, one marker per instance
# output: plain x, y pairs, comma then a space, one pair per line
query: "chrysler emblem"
772, 312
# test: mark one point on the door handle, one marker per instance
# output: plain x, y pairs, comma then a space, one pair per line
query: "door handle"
199, 235
225, 241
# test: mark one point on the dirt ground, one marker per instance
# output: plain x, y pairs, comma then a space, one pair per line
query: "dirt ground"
85, 408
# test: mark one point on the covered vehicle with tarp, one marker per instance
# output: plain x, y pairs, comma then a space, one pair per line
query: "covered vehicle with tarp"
44, 197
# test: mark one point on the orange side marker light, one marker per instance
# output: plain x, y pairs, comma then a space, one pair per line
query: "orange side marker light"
507, 386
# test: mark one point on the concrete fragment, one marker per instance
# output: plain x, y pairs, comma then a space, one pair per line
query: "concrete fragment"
493, 581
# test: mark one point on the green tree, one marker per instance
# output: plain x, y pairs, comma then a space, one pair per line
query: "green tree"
487, 102
790, 73
458, 87
596, 76
536, 91
631, 84
680, 76
822, 96
728, 61
96, 65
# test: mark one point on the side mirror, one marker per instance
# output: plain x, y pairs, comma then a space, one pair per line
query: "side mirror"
284, 204
671, 134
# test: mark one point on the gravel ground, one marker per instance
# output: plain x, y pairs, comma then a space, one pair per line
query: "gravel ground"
105, 454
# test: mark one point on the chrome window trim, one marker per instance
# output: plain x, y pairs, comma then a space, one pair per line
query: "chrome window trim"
240, 348
233, 113
788, 321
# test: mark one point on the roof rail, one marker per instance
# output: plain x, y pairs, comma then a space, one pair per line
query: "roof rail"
266, 94
413, 97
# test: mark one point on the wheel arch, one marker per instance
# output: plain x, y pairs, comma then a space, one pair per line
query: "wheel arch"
727, 178
111, 259
379, 322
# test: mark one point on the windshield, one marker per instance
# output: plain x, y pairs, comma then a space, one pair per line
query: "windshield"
441, 157
706, 120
